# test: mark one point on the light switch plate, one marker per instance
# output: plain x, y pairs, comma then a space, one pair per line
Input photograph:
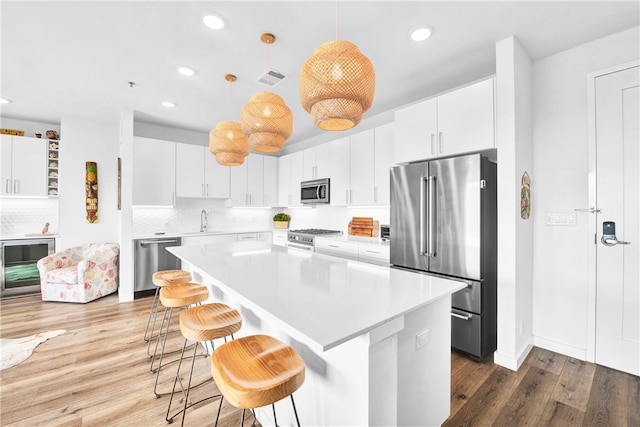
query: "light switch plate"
561, 218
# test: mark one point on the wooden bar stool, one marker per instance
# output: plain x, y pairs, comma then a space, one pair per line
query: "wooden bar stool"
203, 323
161, 279
256, 371
174, 296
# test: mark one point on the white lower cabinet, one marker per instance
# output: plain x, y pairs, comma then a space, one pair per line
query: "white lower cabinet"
209, 239
372, 253
337, 248
264, 236
280, 237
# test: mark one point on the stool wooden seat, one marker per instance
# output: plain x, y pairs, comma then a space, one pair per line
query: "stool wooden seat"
256, 371
174, 296
160, 279
203, 323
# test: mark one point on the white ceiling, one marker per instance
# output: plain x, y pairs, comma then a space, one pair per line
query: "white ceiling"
62, 59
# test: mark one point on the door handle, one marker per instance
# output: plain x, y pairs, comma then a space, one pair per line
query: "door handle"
431, 217
7, 187
588, 210
612, 241
433, 146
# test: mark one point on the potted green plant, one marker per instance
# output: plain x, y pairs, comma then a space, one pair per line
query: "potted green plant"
281, 220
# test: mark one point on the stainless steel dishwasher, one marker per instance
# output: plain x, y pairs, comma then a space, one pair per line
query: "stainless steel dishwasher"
151, 255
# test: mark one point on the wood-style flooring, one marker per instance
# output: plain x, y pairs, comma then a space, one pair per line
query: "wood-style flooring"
97, 374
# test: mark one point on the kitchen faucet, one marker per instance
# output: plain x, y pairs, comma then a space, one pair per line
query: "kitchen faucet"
203, 221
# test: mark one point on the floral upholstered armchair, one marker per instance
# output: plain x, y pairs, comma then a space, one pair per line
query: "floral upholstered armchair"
80, 274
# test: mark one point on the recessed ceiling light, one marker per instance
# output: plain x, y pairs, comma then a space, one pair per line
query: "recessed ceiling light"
213, 21
186, 71
4, 101
168, 104
421, 33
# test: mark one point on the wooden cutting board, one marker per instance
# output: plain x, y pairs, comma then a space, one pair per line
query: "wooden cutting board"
363, 226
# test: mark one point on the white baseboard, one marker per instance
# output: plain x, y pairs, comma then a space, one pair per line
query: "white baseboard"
512, 362
567, 350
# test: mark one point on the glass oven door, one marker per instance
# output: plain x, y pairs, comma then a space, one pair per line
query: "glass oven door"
18, 265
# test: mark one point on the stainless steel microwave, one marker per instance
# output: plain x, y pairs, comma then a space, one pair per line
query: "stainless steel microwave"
315, 191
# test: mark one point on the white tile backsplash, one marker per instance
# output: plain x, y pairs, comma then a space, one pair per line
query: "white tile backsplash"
185, 217
23, 216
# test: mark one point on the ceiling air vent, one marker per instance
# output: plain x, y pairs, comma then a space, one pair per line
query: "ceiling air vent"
271, 77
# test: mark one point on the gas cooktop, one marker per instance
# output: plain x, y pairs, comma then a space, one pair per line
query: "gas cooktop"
315, 231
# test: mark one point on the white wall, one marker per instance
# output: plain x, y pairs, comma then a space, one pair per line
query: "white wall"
515, 238
87, 141
561, 184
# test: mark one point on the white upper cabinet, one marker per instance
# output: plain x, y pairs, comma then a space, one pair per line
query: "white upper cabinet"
198, 174
248, 181
154, 172
284, 180
361, 174
216, 177
317, 162
466, 119
340, 183
189, 171
270, 181
23, 166
383, 161
416, 129
290, 174
456, 122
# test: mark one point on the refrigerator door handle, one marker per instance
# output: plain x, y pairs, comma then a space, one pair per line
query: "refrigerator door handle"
431, 216
423, 210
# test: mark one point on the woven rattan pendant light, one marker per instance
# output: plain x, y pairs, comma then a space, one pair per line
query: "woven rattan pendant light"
337, 84
227, 141
266, 120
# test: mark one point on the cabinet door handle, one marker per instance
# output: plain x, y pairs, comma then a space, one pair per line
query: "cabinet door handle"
206, 190
202, 189
16, 186
7, 187
289, 199
433, 145
346, 197
333, 246
440, 141
350, 197
372, 252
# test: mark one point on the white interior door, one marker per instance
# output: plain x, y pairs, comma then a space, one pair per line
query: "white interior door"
617, 323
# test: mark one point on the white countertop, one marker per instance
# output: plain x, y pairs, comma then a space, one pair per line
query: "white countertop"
357, 239
172, 234
327, 300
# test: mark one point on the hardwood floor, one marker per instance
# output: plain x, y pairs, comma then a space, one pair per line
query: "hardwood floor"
549, 389
97, 374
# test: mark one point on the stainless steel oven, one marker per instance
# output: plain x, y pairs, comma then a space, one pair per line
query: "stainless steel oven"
18, 264
304, 240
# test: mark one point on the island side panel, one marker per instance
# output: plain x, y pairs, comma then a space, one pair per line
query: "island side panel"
424, 368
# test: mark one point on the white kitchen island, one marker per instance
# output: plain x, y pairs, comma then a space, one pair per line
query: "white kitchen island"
375, 340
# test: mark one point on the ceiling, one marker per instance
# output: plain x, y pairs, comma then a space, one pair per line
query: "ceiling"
75, 59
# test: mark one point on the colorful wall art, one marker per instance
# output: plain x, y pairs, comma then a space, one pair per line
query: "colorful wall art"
91, 191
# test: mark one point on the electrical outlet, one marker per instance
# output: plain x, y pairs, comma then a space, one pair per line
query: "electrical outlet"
423, 338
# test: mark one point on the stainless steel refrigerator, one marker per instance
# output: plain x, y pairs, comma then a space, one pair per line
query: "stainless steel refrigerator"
443, 222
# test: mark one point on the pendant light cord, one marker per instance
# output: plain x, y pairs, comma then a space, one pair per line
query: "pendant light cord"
336, 19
